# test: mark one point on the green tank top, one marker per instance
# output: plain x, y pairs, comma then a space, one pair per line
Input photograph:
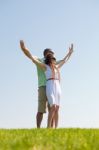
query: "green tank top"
41, 75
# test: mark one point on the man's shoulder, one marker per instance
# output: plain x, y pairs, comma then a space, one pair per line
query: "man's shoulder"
41, 59
35, 57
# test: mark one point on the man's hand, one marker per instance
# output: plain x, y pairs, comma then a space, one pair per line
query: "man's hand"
22, 44
25, 50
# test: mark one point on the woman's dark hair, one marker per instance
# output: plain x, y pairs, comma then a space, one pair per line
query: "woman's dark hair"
49, 59
48, 50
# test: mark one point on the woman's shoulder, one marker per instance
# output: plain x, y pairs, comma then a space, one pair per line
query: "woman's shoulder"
47, 66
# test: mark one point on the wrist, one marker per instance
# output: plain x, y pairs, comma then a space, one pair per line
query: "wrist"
64, 60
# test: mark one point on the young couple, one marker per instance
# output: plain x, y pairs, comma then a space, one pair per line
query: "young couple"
49, 91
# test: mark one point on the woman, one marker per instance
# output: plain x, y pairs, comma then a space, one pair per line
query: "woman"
53, 89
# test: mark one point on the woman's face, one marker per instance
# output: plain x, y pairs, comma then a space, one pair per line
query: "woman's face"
53, 62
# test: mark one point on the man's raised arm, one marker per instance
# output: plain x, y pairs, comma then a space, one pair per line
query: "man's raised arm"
25, 50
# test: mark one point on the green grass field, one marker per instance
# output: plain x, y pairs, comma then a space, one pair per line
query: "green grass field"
49, 139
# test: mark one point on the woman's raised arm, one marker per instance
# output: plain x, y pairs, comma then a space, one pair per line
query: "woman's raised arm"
65, 59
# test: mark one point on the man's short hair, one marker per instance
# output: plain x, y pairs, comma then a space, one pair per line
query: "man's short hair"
47, 50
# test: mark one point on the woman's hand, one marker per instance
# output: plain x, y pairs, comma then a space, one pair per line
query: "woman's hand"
71, 49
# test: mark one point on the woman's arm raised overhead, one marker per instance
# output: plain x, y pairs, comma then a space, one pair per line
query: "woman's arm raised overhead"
66, 58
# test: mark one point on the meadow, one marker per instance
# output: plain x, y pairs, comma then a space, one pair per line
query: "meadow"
49, 139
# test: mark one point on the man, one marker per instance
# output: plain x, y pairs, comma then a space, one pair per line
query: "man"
42, 99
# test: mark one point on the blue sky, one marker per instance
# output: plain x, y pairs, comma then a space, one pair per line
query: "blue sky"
55, 24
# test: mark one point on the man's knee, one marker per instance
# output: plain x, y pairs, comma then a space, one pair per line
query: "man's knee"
39, 114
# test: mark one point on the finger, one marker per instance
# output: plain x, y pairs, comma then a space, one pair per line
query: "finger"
72, 46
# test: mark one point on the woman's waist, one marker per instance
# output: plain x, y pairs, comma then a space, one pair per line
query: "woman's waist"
52, 79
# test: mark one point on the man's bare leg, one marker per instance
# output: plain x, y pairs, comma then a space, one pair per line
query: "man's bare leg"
39, 118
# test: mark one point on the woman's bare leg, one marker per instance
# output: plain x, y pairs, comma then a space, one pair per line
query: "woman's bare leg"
50, 116
56, 116
52, 122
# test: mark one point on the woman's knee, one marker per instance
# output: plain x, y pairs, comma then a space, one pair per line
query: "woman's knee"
57, 108
53, 107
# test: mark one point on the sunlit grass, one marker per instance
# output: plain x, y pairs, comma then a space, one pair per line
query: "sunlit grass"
49, 139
